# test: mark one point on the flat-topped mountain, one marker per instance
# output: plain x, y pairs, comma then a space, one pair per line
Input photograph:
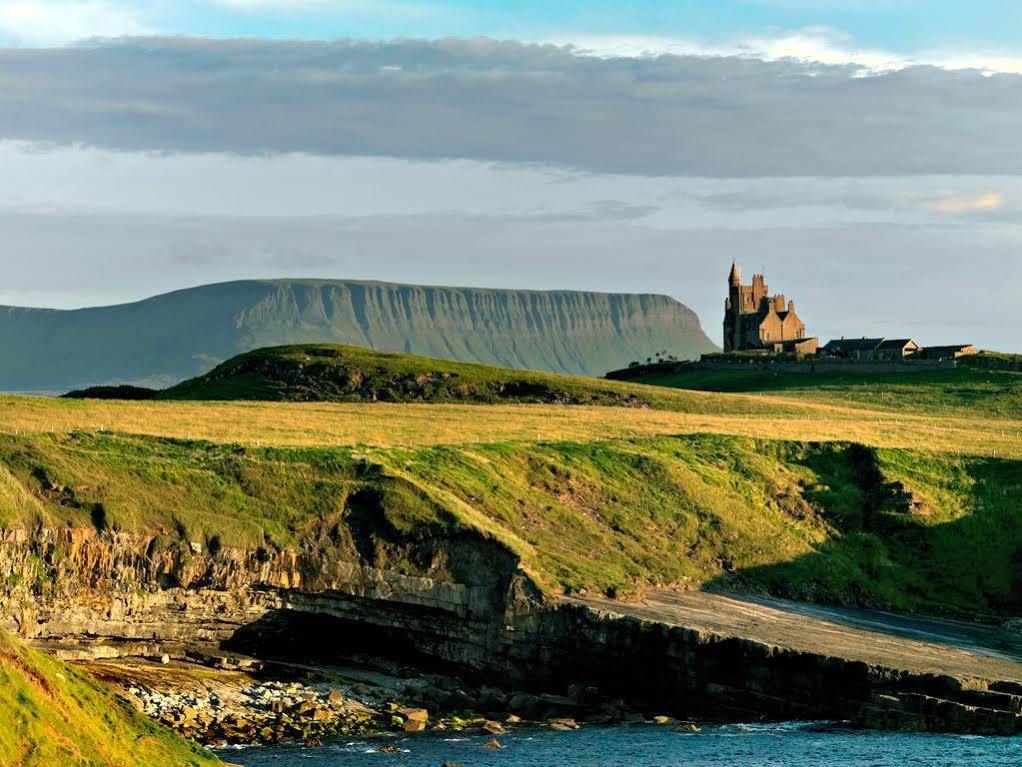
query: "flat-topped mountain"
162, 340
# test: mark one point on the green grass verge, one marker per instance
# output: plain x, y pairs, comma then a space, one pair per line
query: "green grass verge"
52, 714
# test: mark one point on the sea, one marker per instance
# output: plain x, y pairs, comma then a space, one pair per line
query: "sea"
802, 744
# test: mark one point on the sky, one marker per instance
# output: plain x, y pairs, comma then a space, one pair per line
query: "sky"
864, 155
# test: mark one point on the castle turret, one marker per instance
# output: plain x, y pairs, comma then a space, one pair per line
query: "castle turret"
735, 278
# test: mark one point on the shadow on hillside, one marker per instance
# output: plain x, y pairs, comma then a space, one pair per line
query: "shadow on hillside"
890, 552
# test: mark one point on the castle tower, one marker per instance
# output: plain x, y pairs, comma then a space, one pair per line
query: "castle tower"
754, 319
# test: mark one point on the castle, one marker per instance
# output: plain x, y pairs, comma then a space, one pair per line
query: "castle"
753, 319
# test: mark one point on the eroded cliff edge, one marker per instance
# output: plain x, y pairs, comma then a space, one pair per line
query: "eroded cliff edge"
95, 594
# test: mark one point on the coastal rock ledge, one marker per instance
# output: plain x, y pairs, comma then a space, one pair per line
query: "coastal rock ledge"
468, 606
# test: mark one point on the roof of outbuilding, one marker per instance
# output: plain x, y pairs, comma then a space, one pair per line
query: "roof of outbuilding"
896, 343
853, 344
950, 347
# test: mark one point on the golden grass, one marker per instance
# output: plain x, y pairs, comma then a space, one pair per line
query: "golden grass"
409, 425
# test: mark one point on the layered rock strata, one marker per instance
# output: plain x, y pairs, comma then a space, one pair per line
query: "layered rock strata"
459, 600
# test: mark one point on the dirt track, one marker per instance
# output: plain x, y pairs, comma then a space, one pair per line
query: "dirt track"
925, 645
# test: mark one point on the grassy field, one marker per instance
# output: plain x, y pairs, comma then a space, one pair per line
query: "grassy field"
52, 714
393, 424
345, 396
951, 392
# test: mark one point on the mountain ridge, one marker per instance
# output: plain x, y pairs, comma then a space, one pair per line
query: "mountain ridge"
167, 338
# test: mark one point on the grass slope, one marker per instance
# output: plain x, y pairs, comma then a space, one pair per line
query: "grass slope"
168, 338
803, 520
52, 714
335, 373
949, 392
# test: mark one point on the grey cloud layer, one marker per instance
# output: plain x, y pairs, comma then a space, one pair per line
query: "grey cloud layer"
512, 102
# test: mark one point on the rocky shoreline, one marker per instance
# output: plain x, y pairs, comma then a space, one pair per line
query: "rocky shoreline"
275, 703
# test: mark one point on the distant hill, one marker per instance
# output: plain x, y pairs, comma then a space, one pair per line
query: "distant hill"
335, 373
162, 340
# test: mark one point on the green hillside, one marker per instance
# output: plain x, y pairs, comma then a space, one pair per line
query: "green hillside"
969, 388
51, 714
166, 339
837, 522
335, 373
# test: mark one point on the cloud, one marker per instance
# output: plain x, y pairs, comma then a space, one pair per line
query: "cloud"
810, 45
360, 7
53, 22
509, 102
965, 202
280, 4
957, 203
814, 45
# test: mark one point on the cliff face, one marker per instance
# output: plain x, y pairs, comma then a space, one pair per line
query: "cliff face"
465, 603
73, 585
168, 338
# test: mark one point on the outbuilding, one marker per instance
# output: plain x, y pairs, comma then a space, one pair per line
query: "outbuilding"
896, 350
949, 352
861, 349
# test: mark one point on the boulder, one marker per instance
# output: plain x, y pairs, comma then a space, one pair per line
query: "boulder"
459, 700
526, 705
492, 698
414, 714
492, 728
563, 725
